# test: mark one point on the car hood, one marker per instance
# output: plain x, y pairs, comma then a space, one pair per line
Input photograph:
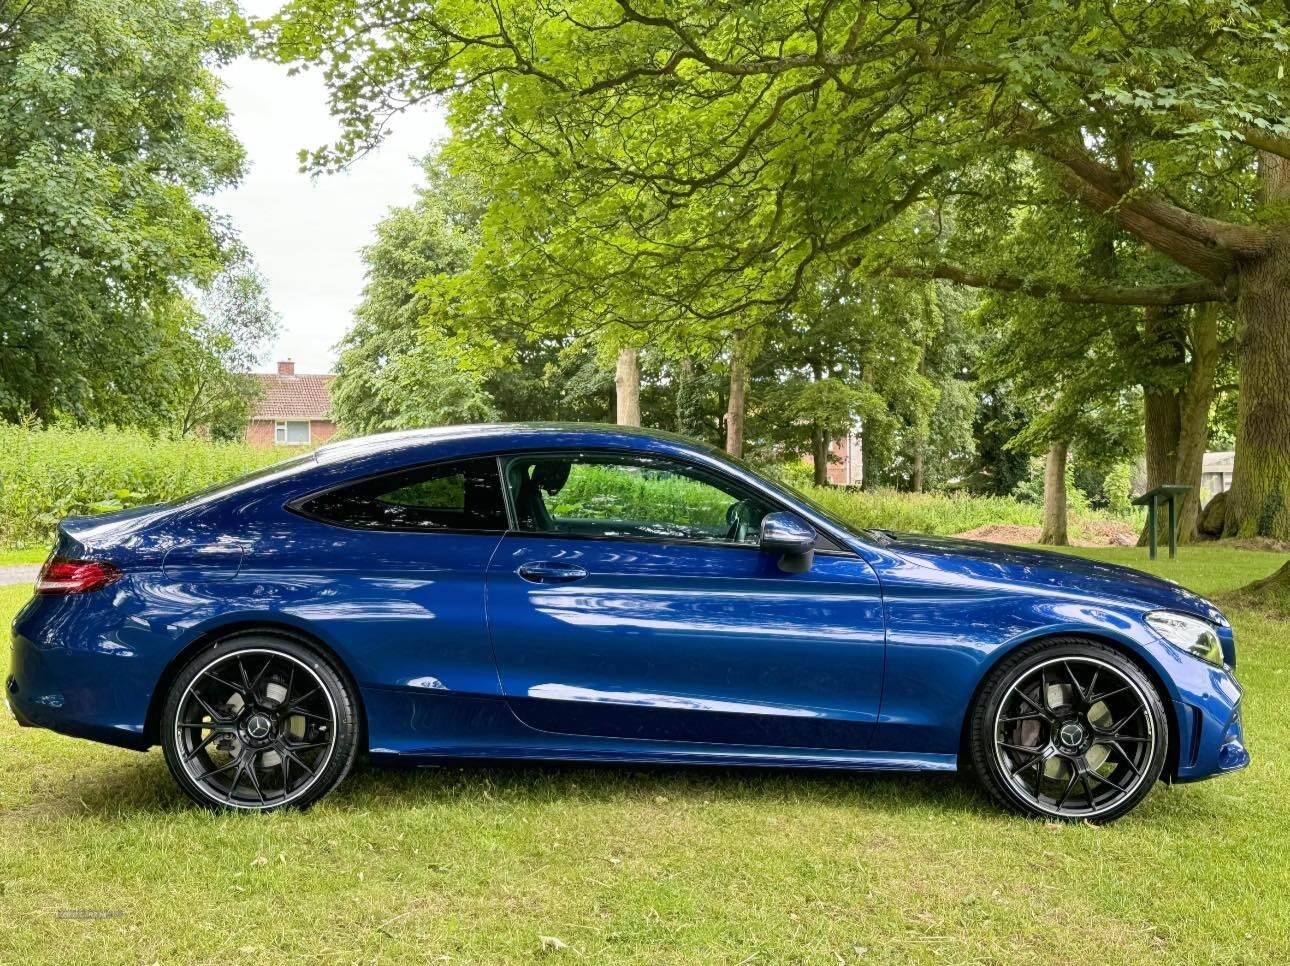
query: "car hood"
1058, 571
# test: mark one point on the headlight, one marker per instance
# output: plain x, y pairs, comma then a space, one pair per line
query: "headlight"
1190, 634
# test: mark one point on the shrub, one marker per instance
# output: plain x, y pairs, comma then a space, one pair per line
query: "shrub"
47, 474
936, 513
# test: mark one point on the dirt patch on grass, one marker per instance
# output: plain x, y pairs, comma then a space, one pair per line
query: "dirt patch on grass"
1086, 533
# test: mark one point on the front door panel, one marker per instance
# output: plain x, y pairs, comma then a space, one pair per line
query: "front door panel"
635, 639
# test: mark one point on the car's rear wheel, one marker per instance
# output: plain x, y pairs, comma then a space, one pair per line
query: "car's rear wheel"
1069, 729
259, 721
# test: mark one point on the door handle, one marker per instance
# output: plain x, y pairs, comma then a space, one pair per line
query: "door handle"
549, 572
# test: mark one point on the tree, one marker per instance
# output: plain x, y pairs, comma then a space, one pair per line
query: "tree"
204, 369
111, 130
711, 154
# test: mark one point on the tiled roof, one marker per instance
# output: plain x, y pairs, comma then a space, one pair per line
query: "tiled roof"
294, 397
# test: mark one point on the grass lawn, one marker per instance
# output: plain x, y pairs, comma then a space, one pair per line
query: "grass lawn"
33, 555
652, 865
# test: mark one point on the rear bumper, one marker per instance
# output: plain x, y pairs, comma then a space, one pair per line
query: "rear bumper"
92, 689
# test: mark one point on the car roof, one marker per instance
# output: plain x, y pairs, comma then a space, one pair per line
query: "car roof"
492, 436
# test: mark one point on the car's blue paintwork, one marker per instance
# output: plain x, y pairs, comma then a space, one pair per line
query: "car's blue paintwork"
661, 651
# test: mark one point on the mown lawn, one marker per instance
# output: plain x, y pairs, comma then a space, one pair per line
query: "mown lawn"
31, 555
662, 866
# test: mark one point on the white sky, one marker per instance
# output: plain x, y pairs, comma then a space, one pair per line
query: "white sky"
306, 232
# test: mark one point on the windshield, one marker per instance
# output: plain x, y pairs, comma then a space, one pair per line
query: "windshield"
860, 533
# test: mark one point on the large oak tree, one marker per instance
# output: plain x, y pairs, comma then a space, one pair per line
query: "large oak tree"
664, 164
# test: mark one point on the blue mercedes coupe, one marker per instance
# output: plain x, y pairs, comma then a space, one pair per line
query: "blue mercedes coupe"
596, 593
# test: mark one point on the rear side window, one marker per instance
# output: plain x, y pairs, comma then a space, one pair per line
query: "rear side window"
465, 495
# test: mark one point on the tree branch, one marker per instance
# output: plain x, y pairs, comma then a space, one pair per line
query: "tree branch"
1088, 293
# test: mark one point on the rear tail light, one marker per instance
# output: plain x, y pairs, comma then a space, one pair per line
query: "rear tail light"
62, 576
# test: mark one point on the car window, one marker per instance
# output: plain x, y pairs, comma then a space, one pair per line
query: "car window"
464, 495
598, 495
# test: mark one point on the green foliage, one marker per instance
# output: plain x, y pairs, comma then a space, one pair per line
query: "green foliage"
610, 493
47, 474
111, 130
1118, 488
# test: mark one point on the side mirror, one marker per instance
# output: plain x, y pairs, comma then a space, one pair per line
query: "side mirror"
792, 538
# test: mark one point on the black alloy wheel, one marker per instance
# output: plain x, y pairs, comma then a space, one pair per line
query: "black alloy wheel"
1069, 730
259, 722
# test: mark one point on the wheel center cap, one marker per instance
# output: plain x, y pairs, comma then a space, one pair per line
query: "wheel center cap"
258, 726
1071, 735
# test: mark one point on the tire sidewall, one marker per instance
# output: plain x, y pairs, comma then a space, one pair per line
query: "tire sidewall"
338, 688
981, 737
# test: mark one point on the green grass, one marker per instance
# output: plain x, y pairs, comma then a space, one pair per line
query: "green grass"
31, 555
661, 865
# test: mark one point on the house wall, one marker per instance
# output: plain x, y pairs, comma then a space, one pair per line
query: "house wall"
260, 432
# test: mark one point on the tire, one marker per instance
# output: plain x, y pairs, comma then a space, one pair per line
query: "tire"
259, 721
1069, 730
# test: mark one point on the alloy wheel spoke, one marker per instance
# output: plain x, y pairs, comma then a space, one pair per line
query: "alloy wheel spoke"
1126, 758
215, 771
1118, 726
235, 688
255, 780
1070, 786
211, 711
1043, 711
1079, 690
287, 753
201, 745
1088, 789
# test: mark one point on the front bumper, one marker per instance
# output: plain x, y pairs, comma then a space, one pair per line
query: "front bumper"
1211, 731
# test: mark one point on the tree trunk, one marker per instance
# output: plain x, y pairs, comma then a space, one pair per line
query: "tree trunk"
735, 409
918, 467
820, 455
1177, 421
1259, 502
1055, 496
627, 386
1272, 592
1193, 417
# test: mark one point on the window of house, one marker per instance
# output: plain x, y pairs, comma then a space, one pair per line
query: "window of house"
464, 495
599, 495
291, 432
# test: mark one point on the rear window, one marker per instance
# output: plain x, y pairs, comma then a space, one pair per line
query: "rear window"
465, 495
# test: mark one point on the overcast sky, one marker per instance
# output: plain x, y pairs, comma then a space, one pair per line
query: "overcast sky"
306, 232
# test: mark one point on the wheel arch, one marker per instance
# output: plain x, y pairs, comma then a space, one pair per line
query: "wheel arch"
1118, 645
208, 636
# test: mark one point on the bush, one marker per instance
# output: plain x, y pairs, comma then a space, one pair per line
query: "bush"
936, 513
47, 474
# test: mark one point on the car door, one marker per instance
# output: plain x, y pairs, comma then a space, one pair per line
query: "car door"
391, 568
632, 601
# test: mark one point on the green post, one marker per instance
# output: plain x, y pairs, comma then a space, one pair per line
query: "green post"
1151, 527
1173, 529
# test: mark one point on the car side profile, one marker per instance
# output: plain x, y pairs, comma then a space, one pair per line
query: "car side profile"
597, 593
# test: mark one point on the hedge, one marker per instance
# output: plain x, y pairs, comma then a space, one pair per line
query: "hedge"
47, 474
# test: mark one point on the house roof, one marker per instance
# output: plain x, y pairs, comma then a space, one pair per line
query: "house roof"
294, 396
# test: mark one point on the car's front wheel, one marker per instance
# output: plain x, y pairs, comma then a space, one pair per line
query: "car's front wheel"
1069, 729
259, 721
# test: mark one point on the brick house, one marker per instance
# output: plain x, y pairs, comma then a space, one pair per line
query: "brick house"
294, 410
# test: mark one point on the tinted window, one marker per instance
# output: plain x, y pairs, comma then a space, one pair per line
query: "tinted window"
619, 496
466, 495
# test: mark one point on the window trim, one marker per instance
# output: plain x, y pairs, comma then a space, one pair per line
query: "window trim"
283, 423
